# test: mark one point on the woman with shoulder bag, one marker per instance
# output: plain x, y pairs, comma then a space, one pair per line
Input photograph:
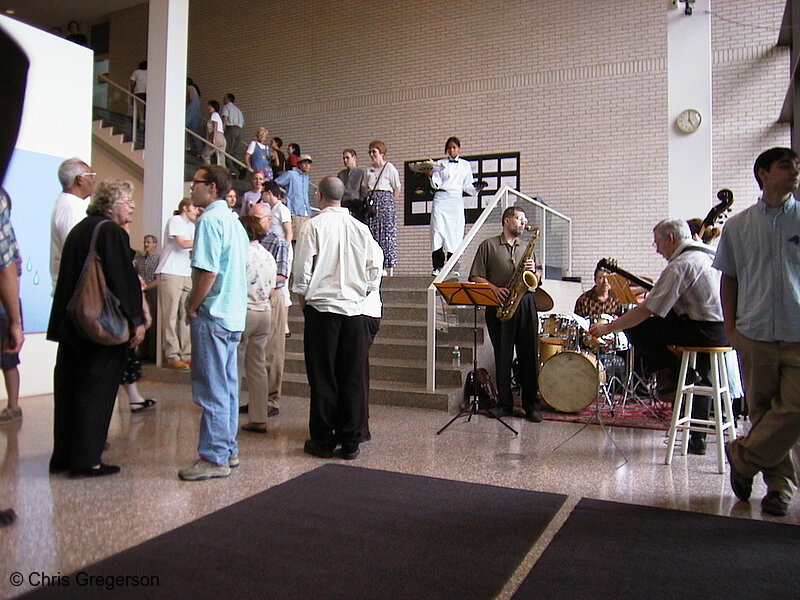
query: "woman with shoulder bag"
380, 187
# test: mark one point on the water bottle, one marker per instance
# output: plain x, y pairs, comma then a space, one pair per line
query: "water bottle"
457, 357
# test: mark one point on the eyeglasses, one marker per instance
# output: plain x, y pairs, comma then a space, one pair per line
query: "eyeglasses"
88, 174
206, 181
131, 203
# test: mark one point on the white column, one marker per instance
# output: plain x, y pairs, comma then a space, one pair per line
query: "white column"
166, 112
689, 86
167, 36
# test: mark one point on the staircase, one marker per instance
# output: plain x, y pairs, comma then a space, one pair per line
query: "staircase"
397, 357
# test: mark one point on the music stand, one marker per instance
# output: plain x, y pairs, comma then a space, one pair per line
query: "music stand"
464, 293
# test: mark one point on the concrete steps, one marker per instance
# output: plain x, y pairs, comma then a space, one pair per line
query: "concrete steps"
397, 357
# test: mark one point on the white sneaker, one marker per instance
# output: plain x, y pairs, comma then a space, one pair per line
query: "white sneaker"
10, 415
435, 272
204, 469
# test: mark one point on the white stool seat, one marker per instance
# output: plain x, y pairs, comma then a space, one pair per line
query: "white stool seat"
721, 402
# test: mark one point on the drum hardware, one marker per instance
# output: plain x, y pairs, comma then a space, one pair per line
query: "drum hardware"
595, 417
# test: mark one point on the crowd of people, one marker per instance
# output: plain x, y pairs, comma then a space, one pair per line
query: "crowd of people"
222, 284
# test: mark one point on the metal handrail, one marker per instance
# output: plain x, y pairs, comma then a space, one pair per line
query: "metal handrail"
501, 197
134, 120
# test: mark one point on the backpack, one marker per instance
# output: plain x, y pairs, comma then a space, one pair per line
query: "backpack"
487, 392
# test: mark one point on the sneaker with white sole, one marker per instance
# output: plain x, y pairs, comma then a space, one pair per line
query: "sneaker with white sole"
204, 469
10, 415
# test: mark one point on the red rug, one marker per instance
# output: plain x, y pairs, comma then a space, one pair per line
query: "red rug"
644, 415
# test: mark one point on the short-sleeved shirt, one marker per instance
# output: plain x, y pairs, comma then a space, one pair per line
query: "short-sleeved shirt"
176, 260
146, 265
589, 304
296, 184
9, 251
235, 116
280, 215
689, 285
388, 181
220, 246
261, 273
280, 252
760, 247
496, 260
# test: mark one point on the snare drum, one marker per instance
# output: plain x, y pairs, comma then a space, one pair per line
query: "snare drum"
559, 326
606, 342
569, 381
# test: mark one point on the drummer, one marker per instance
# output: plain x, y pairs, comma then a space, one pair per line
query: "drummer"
597, 300
683, 309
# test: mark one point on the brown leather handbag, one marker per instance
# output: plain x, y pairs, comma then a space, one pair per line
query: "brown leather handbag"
93, 308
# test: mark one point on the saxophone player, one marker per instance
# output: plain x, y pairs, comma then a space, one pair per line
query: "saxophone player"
495, 263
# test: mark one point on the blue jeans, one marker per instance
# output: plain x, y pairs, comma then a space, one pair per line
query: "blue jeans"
215, 387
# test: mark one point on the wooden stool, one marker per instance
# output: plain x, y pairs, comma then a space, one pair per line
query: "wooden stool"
721, 400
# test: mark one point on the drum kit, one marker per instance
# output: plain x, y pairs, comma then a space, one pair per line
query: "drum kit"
574, 364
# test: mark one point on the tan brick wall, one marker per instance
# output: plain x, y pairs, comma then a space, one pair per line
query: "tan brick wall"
578, 87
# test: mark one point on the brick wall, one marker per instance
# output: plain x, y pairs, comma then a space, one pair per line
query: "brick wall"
577, 87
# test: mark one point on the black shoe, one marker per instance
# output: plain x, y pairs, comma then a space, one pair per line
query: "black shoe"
697, 445
742, 486
501, 411
313, 448
243, 409
349, 450
7, 517
99, 471
775, 504
58, 468
534, 415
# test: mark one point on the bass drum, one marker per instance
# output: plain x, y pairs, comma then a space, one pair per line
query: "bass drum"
569, 381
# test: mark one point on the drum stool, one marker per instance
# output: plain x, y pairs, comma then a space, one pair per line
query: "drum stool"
721, 400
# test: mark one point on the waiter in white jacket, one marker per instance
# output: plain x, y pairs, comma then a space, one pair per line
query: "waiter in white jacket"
451, 177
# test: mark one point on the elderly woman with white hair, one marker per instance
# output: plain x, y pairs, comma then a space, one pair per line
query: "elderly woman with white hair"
87, 374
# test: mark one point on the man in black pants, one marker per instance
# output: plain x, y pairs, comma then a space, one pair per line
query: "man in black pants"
495, 262
683, 309
334, 270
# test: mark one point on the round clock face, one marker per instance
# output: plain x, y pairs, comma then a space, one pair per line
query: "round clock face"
688, 121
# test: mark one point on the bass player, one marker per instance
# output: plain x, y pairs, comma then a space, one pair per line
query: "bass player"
496, 261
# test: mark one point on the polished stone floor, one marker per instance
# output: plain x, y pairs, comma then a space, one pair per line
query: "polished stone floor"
65, 524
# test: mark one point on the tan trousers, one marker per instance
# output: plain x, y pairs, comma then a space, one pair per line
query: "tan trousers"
219, 142
771, 372
173, 290
252, 357
276, 347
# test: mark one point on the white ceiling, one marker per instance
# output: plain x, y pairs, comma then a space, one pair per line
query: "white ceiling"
57, 13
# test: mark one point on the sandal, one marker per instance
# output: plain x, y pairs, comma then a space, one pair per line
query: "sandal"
140, 406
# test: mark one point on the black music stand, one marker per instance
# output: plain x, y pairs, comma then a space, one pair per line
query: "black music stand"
464, 293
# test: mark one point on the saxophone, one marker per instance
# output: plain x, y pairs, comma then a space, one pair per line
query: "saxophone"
521, 282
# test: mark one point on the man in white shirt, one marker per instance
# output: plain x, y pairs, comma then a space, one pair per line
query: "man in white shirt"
334, 270
77, 182
233, 119
174, 274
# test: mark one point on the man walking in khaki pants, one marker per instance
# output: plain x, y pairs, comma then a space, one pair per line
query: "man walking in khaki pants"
174, 274
759, 254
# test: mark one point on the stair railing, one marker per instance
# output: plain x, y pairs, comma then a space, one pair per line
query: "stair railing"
139, 107
539, 215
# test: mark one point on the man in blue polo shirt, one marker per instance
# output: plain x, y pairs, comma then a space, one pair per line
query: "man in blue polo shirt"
296, 183
758, 254
217, 308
